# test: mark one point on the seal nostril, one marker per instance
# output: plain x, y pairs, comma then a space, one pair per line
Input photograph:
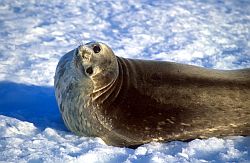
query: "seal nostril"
89, 70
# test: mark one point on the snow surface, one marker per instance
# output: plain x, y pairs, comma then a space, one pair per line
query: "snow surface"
35, 34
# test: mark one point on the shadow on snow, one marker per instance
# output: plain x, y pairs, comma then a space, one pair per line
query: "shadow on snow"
35, 104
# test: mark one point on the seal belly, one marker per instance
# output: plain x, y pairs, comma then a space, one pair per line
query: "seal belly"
163, 101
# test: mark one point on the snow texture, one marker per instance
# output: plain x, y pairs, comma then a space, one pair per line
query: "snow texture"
35, 34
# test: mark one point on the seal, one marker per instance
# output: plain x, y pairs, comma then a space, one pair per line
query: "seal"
129, 102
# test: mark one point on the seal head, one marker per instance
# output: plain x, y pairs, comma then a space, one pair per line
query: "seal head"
97, 62
83, 76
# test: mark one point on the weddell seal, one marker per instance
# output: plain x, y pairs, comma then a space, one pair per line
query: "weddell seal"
129, 102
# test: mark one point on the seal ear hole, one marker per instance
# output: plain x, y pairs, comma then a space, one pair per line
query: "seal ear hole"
89, 70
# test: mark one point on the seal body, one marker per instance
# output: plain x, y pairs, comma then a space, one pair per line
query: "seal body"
129, 102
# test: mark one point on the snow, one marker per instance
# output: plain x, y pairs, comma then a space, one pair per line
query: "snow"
35, 34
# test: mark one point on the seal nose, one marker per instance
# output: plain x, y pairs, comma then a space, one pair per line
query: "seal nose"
84, 52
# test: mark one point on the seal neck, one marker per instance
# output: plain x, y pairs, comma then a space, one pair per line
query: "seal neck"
108, 93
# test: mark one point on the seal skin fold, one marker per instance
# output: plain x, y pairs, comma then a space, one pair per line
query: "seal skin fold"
129, 102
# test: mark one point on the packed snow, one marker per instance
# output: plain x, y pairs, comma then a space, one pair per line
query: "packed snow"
35, 34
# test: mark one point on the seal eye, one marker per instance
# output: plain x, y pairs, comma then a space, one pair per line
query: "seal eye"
96, 48
89, 70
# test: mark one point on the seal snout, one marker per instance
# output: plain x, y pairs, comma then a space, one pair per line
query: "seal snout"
85, 52
83, 59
